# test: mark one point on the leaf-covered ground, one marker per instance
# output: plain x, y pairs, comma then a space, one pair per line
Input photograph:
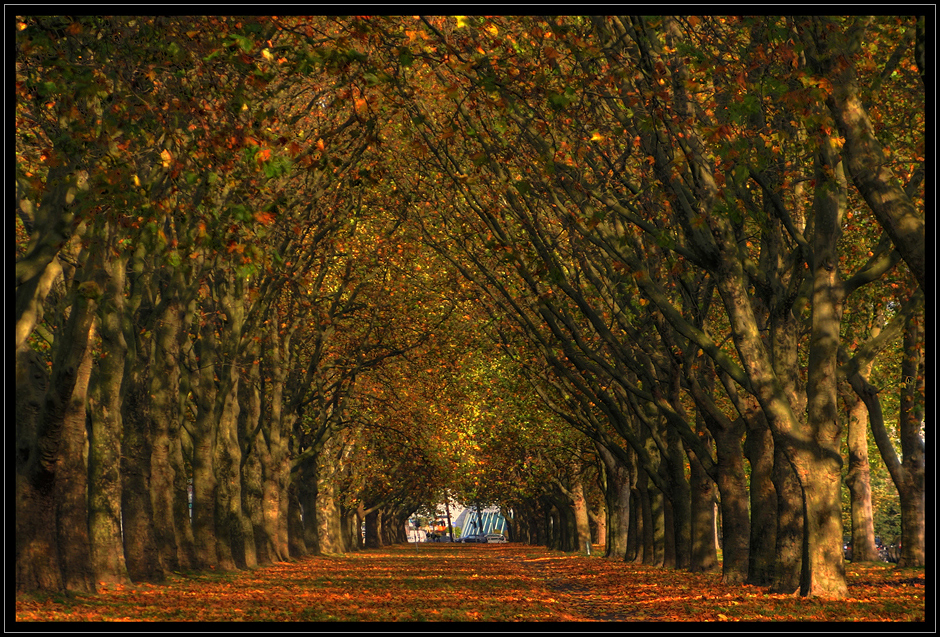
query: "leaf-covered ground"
441, 582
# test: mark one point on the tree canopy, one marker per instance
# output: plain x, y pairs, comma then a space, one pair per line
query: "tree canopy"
280, 278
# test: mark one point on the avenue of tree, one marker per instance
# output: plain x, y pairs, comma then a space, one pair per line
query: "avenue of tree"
628, 278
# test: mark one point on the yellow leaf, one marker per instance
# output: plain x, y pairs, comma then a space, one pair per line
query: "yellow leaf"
166, 157
597, 137
720, 616
493, 30
461, 21
266, 54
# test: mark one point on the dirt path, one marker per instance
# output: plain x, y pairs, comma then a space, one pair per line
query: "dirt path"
474, 583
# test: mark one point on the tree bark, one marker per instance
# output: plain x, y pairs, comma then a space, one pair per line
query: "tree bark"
704, 553
71, 484
912, 444
41, 405
871, 173
297, 546
104, 460
164, 393
759, 449
329, 529
618, 482
823, 566
788, 561
204, 452
858, 481
141, 551
579, 507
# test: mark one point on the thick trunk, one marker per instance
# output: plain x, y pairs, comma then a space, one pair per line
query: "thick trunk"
811, 457
913, 529
657, 524
789, 550
820, 467
46, 425
253, 497
735, 523
252, 482
329, 530
276, 460
704, 553
653, 529
204, 498
373, 530
618, 481
270, 509
236, 539
164, 390
182, 452
71, 485
912, 486
678, 506
858, 482
568, 526
636, 531
204, 428
104, 461
297, 547
582, 536
759, 449
37, 563
141, 552
307, 496
182, 506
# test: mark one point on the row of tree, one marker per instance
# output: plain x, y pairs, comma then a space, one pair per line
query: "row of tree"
690, 229
202, 280
246, 249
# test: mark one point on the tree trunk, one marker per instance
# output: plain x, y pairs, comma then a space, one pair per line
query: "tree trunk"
253, 495
42, 404
636, 532
617, 484
912, 487
812, 459
164, 392
296, 545
329, 530
873, 177
704, 553
678, 505
582, 536
235, 534
373, 529
181, 456
820, 470
858, 482
759, 449
204, 452
71, 485
735, 523
104, 460
789, 555
141, 551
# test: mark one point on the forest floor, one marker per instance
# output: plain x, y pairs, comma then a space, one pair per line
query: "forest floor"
477, 582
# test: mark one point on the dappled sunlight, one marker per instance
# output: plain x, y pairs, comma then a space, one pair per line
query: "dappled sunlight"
477, 583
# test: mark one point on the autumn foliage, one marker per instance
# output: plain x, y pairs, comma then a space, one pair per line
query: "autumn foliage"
650, 282
469, 583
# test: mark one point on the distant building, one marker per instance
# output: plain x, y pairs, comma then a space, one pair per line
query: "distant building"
470, 523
